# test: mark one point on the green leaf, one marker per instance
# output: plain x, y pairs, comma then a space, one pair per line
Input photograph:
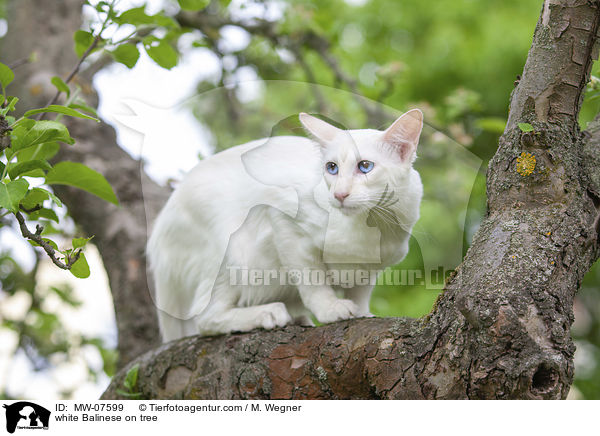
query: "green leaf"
102, 5
10, 105
132, 395
127, 54
84, 107
54, 199
36, 196
80, 269
12, 101
109, 358
6, 75
162, 53
61, 85
49, 241
525, 127
193, 5
42, 151
23, 168
55, 108
21, 127
24, 136
80, 242
2, 166
165, 21
12, 193
82, 177
83, 40
135, 16
49, 214
131, 377
49, 229
38, 173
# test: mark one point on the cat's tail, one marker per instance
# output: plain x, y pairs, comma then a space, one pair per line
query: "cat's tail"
172, 328
175, 282
160, 260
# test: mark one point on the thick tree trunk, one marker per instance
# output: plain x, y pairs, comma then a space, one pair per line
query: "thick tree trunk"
501, 327
119, 232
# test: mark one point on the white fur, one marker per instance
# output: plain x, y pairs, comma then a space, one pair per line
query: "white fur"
270, 205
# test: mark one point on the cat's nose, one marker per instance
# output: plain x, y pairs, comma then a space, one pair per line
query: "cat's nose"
341, 196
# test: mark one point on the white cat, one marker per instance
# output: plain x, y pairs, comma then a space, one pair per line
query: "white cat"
246, 238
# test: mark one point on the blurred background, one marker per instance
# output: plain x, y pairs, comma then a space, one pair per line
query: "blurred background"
241, 74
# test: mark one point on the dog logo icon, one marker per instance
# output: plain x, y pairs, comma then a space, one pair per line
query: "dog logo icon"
26, 415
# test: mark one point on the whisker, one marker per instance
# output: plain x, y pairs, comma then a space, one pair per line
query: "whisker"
386, 216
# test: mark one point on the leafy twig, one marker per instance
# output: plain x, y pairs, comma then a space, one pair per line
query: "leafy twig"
33, 209
209, 24
50, 251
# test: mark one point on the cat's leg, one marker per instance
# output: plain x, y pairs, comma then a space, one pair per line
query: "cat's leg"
297, 253
300, 315
325, 305
361, 295
223, 318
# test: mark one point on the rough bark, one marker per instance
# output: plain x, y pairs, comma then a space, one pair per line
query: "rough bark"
501, 327
119, 232
358, 359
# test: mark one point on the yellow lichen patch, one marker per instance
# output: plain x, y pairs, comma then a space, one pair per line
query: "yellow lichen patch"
525, 164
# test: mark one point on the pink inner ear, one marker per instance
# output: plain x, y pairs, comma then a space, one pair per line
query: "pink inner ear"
405, 149
318, 128
404, 133
398, 142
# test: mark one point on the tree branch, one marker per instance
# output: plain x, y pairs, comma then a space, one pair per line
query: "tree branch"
393, 358
50, 251
359, 359
209, 24
559, 64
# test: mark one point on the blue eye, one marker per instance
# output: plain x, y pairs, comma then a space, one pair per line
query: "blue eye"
332, 168
365, 166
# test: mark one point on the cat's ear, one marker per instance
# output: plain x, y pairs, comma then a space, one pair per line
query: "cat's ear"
403, 135
318, 128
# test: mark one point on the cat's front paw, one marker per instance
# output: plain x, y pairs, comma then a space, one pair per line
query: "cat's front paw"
274, 315
338, 311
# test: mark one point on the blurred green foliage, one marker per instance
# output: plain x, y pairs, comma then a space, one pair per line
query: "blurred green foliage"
36, 329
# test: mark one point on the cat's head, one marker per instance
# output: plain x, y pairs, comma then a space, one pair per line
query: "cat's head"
364, 168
